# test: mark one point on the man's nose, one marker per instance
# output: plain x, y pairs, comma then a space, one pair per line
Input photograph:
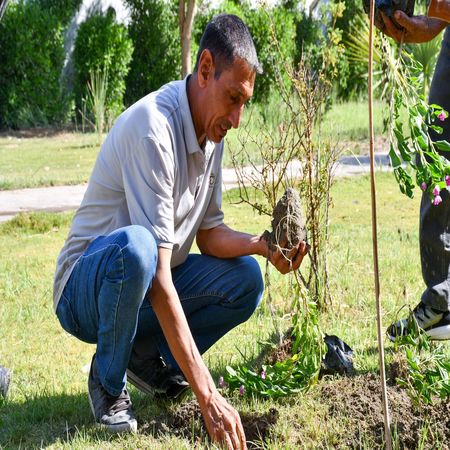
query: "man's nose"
235, 116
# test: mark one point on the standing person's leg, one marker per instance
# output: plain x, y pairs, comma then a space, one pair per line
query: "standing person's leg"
433, 311
100, 304
216, 296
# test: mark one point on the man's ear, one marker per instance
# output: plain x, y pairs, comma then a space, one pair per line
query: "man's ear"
205, 68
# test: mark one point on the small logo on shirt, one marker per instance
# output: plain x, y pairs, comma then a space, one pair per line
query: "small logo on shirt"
212, 180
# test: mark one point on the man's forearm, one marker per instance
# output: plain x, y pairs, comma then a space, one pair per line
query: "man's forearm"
223, 242
170, 314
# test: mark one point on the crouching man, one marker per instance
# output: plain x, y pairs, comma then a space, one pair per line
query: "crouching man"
125, 279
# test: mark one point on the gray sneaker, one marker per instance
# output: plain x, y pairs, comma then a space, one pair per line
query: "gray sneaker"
154, 377
5, 378
436, 324
115, 413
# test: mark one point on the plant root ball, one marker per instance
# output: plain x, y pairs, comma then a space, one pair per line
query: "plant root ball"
288, 223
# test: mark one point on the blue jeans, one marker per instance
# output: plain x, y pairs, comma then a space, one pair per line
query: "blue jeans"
105, 301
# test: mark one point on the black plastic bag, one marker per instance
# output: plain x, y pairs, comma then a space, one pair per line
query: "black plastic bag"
339, 357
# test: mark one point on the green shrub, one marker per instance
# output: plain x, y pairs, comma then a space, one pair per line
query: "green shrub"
31, 64
63, 10
352, 80
101, 45
156, 57
259, 21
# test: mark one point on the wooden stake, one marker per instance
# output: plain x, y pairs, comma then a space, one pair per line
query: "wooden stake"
387, 424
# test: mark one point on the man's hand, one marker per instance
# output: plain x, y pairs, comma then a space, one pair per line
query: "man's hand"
284, 263
223, 423
415, 29
439, 9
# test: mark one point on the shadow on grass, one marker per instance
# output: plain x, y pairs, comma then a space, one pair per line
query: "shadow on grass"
41, 421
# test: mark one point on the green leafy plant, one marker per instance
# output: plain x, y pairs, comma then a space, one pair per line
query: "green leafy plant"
428, 375
415, 149
295, 373
402, 80
413, 153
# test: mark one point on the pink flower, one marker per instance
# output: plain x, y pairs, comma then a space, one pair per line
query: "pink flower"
441, 116
242, 390
436, 190
423, 186
437, 200
263, 374
221, 382
447, 180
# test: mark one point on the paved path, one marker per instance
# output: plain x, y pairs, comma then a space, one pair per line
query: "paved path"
63, 198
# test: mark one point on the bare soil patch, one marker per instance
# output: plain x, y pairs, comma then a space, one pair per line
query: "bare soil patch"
358, 398
186, 422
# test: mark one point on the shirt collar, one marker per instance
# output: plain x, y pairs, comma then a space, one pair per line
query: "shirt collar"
188, 124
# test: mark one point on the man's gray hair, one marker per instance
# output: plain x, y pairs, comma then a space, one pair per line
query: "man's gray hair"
227, 37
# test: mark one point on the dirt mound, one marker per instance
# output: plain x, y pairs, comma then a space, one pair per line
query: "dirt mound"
359, 399
186, 421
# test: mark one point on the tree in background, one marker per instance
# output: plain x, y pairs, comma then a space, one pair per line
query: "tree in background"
156, 56
259, 21
102, 46
186, 14
31, 64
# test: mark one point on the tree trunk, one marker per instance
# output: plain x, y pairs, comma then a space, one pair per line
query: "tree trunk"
3, 5
186, 14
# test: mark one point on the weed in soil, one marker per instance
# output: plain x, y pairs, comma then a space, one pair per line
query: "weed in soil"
186, 422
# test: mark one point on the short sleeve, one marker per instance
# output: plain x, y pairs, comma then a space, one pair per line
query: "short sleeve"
214, 215
148, 180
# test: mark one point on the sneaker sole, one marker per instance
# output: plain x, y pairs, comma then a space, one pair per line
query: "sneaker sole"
436, 334
124, 427
439, 333
147, 389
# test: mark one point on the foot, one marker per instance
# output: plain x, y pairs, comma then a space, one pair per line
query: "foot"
115, 413
436, 324
152, 376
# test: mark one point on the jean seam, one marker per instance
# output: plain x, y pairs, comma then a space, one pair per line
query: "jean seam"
115, 312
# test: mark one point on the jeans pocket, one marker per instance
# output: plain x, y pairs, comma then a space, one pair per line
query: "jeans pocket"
65, 316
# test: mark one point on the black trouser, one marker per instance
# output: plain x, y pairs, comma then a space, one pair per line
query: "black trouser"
434, 234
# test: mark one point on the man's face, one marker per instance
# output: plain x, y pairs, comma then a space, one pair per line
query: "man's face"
225, 100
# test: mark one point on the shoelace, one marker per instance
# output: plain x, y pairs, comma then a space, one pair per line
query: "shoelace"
120, 403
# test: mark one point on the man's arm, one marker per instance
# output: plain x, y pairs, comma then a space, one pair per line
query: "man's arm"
440, 9
221, 419
416, 29
223, 242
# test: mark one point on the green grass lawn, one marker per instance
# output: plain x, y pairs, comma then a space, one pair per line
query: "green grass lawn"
48, 407
67, 158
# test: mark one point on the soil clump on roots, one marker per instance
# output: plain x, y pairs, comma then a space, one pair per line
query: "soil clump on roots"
186, 422
288, 223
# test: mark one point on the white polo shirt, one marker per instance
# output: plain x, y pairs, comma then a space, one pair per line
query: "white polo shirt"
152, 172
